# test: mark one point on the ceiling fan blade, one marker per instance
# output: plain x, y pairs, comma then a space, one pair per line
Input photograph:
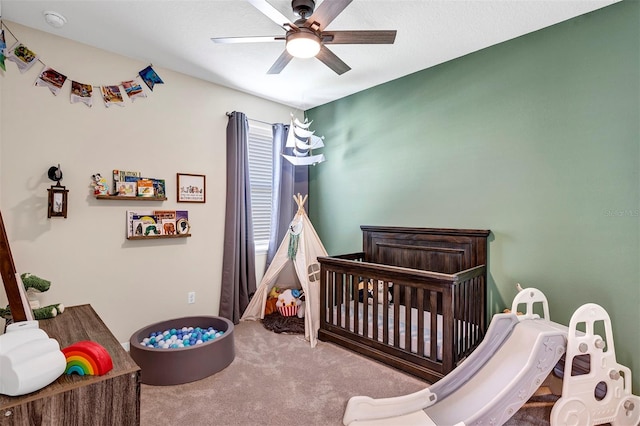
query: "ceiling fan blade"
258, 39
359, 37
327, 12
332, 61
280, 63
271, 12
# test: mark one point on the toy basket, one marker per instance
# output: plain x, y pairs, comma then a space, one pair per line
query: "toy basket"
288, 311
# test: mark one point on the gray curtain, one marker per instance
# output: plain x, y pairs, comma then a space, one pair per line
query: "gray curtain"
238, 263
288, 180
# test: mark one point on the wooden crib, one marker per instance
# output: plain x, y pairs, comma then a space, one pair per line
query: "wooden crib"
430, 310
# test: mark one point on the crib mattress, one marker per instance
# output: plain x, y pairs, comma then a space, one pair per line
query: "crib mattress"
401, 328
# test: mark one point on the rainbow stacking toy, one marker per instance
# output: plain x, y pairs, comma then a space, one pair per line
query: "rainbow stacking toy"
87, 358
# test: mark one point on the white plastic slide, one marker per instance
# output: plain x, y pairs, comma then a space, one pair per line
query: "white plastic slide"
497, 390
486, 375
361, 408
493, 383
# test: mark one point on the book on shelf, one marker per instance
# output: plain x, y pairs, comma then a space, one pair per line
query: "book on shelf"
151, 229
159, 187
121, 176
182, 222
145, 188
126, 189
136, 221
165, 214
136, 229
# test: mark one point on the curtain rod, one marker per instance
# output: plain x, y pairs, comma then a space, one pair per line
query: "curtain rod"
228, 114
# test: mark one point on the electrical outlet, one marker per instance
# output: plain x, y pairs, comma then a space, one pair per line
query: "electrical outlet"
191, 297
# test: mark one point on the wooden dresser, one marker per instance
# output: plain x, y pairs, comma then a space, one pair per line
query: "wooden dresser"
112, 399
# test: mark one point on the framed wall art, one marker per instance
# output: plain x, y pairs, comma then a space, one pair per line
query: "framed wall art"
191, 188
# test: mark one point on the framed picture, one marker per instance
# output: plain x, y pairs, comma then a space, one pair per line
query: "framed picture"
191, 188
57, 201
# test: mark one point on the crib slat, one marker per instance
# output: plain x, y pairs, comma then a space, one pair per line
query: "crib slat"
420, 310
346, 293
356, 311
457, 342
375, 325
407, 319
471, 314
365, 309
385, 315
396, 318
464, 331
433, 329
338, 284
331, 285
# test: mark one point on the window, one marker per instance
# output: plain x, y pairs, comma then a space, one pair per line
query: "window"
260, 178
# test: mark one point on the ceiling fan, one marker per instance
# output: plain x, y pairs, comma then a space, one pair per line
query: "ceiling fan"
306, 37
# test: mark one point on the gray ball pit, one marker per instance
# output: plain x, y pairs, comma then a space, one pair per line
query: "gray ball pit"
182, 365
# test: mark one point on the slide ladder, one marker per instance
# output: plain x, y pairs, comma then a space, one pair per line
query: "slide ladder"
580, 403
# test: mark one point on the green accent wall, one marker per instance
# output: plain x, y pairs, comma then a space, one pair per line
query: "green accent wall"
536, 139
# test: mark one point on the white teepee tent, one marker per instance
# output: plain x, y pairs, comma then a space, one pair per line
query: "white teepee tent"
294, 266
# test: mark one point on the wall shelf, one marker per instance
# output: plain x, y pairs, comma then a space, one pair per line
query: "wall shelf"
155, 237
122, 197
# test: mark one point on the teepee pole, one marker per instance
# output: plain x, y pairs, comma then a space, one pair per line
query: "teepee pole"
300, 201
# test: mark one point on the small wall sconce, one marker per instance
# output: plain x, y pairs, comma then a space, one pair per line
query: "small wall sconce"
58, 194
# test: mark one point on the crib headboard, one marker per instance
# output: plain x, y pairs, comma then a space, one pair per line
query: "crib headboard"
446, 251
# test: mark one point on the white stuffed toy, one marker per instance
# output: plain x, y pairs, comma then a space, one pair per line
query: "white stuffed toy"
289, 302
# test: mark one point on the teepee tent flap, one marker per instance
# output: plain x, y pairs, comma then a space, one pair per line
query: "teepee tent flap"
303, 271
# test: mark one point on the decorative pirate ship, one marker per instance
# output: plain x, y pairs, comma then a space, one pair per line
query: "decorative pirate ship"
301, 142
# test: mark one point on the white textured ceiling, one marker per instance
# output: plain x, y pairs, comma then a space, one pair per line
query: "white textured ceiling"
175, 34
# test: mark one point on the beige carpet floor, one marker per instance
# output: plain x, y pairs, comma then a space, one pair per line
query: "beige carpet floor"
277, 379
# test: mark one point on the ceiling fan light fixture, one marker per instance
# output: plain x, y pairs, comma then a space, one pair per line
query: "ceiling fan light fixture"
303, 44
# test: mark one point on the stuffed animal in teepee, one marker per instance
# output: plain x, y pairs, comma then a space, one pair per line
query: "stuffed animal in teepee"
270, 305
289, 302
35, 285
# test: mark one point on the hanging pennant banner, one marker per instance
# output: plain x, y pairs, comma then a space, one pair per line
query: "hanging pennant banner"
150, 77
25, 58
52, 79
3, 46
112, 96
133, 89
22, 56
81, 93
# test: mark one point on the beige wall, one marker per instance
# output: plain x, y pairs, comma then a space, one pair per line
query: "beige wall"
180, 127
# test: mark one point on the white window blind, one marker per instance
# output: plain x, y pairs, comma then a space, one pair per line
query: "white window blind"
260, 176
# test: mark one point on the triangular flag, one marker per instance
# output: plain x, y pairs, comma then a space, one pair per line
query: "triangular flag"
22, 56
81, 93
150, 77
111, 96
133, 89
52, 79
3, 46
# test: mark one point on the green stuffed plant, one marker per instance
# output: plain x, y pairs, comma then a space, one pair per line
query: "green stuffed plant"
35, 285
